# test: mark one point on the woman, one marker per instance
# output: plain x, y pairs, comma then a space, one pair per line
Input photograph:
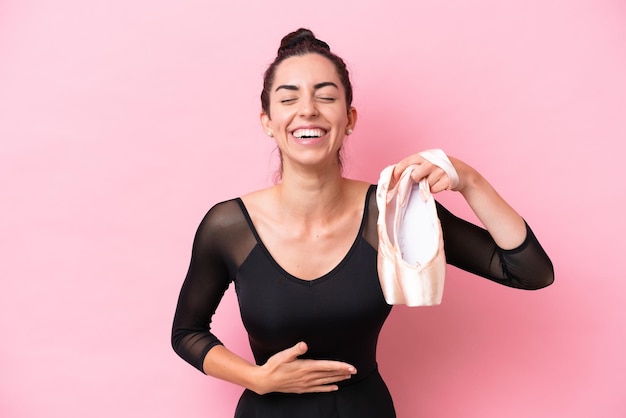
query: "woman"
302, 255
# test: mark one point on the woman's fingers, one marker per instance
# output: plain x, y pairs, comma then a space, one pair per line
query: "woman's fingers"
436, 176
438, 181
324, 369
322, 375
285, 372
313, 375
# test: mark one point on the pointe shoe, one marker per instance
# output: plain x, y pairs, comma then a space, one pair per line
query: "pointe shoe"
411, 258
386, 202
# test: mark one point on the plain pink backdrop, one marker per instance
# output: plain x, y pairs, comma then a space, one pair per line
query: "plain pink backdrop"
122, 122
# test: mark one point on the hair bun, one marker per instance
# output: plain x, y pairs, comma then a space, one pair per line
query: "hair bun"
299, 37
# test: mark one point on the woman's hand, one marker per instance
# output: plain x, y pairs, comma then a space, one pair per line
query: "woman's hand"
285, 372
437, 177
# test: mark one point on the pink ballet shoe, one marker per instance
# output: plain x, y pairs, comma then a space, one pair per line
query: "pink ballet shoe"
411, 257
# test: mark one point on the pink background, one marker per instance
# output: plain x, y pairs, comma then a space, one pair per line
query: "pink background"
122, 122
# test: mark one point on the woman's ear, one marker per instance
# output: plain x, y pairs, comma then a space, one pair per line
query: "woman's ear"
352, 118
266, 123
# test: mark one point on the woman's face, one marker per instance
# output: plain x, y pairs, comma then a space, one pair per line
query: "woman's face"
308, 114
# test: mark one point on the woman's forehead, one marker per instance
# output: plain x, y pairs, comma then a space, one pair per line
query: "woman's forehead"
306, 69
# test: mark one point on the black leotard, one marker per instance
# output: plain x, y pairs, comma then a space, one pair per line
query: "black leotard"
338, 315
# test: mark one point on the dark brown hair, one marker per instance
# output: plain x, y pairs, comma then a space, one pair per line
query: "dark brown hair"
298, 43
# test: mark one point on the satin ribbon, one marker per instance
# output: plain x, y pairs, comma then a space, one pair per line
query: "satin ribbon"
440, 159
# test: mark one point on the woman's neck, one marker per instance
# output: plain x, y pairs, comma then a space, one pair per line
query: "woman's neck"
312, 195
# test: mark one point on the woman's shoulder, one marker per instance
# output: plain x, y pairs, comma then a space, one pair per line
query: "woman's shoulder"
358, 185
224, 207
224, 228
361, 190
260, 200
224, 215
259, 194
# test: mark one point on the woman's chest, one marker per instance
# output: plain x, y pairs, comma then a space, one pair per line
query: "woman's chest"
278, 308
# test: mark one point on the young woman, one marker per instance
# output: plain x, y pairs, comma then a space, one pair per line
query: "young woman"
303, 255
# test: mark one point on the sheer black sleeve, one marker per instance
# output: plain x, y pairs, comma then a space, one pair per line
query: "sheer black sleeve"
221, 236
471, 248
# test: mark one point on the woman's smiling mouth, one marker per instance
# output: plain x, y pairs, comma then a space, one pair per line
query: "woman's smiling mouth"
308, 135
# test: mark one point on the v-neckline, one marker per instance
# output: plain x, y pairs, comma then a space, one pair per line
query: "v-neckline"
323, 277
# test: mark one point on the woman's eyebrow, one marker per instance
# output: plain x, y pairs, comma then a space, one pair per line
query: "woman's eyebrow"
325, 84
315, 87
286, 87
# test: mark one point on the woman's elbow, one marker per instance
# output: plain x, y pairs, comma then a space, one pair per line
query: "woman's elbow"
539, 280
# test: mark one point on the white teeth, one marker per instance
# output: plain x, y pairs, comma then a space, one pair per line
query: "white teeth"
308, 133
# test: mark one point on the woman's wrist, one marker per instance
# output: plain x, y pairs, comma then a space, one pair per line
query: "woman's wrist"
258, 380
468, 176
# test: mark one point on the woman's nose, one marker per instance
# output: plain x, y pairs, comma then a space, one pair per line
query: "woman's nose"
308, 107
